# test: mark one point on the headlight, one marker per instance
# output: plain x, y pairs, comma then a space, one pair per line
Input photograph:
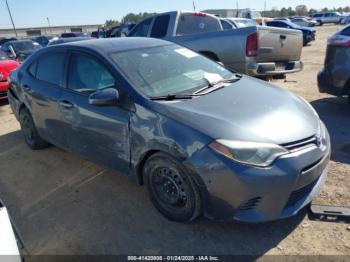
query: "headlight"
250, 153
1, 76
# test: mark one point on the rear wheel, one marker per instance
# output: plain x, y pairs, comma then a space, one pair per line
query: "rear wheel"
171, 189
29, 131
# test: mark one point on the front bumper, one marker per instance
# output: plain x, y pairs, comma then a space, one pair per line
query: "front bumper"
4, 85
274, 68
248, 194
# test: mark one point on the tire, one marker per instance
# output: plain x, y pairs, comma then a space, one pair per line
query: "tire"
171, 189
29, 132
320, 23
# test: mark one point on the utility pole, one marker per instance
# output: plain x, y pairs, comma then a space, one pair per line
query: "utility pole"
194, 6
265, 5
48, 21
13, 24
237, 5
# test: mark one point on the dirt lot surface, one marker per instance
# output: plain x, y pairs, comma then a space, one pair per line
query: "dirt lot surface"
65, 205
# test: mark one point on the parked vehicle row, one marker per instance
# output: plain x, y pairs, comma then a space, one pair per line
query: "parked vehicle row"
256, 51
203, 139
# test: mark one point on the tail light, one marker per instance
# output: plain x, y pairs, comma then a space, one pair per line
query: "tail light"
200, 14
252, 44
339, 41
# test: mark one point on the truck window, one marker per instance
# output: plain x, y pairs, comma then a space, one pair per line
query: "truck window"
197, 23
142, 28
226, 25
160, 26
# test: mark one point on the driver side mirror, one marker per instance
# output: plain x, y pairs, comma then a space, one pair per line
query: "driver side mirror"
104, 97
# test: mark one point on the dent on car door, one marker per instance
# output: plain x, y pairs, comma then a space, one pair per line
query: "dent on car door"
98, 133
42, 82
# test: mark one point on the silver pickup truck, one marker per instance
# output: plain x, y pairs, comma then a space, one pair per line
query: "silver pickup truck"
256, 51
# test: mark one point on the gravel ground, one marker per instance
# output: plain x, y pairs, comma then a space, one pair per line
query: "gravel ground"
65, 205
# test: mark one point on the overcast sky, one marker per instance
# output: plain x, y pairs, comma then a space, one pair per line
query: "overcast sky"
30, 13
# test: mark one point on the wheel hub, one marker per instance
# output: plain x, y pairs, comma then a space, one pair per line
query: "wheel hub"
170, 187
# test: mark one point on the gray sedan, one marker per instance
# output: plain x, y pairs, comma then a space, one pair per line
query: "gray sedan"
204, 140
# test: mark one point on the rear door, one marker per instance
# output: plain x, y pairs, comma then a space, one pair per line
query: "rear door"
43, 82
98, 133
279, 44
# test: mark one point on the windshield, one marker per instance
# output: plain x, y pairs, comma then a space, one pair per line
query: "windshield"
25, 46
171, 69
245, 22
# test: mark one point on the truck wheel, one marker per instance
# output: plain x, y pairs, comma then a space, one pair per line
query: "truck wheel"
172, 191
30, 134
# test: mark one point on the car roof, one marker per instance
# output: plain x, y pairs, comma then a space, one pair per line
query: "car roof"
107, 46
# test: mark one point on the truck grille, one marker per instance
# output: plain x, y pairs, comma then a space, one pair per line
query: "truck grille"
3, 93
300, 144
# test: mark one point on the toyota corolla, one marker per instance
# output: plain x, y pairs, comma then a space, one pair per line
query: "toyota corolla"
204, 140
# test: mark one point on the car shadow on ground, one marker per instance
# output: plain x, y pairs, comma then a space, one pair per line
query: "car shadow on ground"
335, 113
65, 205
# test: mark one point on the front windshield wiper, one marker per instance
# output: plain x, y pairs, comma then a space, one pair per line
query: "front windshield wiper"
172, 97
213, 86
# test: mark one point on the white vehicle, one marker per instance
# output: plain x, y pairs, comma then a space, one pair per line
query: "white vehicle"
303, 22
328, 18
8, 244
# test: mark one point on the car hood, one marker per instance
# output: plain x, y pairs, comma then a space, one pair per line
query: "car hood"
308, 29
248, 110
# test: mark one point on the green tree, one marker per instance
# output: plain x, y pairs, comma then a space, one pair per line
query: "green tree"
135, 18
111, 23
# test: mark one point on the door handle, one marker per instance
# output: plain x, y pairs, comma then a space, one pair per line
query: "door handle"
66, 104
283, 37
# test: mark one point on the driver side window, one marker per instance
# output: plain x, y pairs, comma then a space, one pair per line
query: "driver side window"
87, 75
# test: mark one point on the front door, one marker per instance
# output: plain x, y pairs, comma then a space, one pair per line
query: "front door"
98, 133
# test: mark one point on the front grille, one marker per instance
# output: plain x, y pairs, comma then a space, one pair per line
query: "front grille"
250, 204
300, 144
3, 93
300, 193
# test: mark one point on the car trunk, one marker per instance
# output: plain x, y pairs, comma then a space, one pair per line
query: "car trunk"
279, 44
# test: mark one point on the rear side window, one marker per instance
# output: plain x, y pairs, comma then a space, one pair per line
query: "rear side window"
346, 31
50, 68
142, 28
197, 23
226, 25
160, 26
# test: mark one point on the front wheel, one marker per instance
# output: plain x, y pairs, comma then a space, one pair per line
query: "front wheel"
171, 189
29, 131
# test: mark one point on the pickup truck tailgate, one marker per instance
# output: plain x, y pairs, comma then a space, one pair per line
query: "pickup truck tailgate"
279, 44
